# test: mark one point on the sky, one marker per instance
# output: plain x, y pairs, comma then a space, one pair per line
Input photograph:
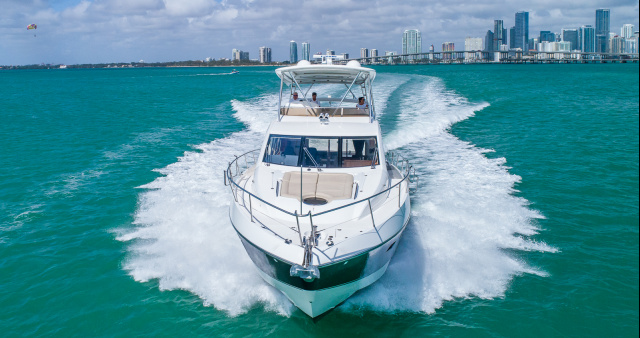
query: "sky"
105, 31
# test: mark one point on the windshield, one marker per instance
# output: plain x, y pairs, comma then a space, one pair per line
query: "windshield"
322, 152
283, 150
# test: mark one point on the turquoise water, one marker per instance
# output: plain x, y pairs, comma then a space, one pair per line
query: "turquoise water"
114, 215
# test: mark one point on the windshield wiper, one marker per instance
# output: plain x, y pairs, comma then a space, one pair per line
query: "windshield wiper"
306, 150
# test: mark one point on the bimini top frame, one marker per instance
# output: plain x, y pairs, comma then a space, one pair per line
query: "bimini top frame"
349, 75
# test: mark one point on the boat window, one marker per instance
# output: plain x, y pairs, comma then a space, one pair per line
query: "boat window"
359, 152
283, 150
322, 152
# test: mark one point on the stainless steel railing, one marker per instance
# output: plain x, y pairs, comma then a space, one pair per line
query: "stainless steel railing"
241, 163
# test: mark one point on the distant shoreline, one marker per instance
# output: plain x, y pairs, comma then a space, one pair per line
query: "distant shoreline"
174, 65
121, 65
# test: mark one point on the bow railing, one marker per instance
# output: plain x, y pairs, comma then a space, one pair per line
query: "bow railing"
245, 198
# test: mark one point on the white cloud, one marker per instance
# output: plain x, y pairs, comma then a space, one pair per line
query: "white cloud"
126, 7
77, 11
163, 30
189, 8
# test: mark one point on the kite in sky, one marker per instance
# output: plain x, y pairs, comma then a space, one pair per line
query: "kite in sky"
32, 26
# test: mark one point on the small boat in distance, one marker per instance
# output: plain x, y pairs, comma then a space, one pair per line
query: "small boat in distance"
234, 72
320, 207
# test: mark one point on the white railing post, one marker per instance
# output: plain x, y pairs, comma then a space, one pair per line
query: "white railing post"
371, 211
298, 223
250, 209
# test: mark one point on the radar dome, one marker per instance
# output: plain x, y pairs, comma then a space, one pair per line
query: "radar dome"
304, 63
353, 63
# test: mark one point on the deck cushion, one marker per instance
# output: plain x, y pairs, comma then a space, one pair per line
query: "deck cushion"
334, 186
291, 184
329, 186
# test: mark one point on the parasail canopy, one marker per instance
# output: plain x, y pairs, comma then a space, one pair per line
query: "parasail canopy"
32, 26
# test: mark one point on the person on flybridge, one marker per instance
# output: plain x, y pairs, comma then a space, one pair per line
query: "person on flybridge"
362, 104
314, 99
294, 97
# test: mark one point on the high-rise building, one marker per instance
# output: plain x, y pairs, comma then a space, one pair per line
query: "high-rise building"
602, 22
512, 37
602, 43
571, 36
553, 46
265, 55
374, 54
627, 31
505, 37
488, 42
522, 31
411, 42
563, 46
238, 55
293, 52
448, 47
547, 36
306, 51
471, 47
498, 34
617, 44
588, 39
631, 45
431, 49
331, 52
364, 52
602, 30
472, 44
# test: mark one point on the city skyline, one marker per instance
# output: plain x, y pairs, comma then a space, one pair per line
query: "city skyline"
99, 31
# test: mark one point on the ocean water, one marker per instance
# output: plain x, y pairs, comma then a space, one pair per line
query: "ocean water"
114, 216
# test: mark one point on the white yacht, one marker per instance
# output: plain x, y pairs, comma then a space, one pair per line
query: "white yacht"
320, 207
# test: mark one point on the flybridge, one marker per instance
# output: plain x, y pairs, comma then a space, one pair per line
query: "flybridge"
297, 83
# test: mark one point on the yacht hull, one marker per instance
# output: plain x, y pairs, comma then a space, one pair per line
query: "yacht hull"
338, 280
317, 302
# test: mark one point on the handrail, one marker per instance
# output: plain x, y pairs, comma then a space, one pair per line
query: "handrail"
406, 171
308, 271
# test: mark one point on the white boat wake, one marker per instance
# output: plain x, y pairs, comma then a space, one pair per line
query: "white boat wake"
465, 214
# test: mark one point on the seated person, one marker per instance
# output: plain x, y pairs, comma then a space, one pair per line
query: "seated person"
294, 97
314, 100
362, 104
